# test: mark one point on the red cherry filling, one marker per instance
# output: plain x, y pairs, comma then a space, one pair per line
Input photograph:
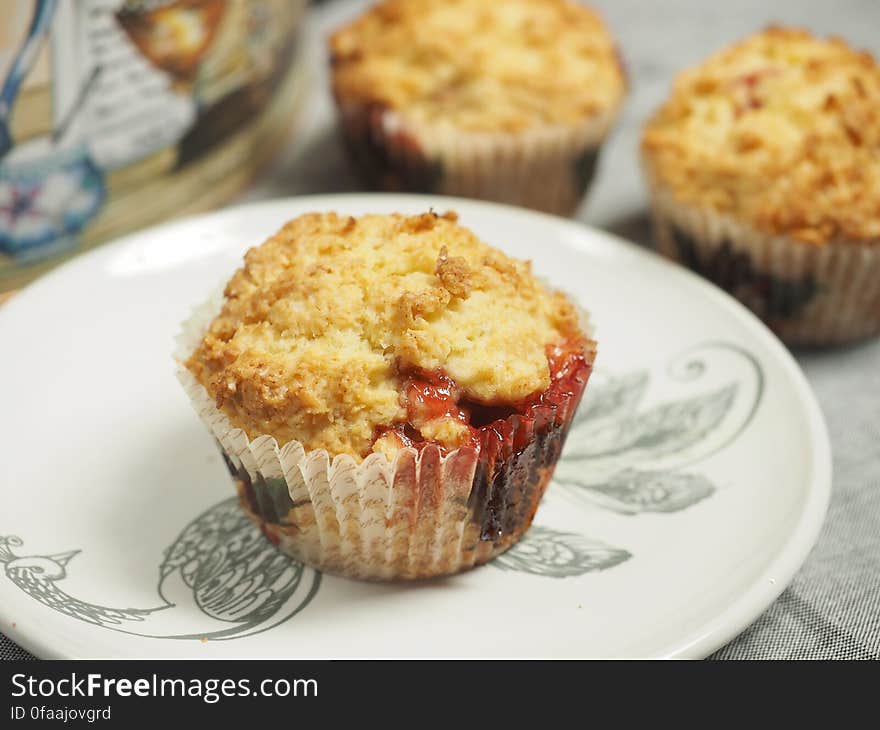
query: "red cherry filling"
432, 395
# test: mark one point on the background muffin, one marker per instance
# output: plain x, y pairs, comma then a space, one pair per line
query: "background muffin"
391, 393
764, 169
502, 101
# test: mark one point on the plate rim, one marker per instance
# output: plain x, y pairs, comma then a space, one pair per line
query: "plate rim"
771, 582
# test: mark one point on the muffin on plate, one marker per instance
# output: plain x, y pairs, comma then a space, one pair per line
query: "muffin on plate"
390, 393
764, 172
506, 101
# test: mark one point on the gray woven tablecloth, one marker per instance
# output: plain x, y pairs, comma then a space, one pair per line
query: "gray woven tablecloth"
832, 607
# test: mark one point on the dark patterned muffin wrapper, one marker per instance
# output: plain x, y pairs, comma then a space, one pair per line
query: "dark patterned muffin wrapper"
808, 294
548, 169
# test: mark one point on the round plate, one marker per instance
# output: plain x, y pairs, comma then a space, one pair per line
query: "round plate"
693, 483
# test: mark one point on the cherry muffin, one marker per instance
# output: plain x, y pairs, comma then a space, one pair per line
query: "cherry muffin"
506, 101
390, 393
764, 170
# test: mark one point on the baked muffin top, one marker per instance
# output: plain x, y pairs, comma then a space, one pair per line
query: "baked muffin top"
338, 329
480, 66
781, 130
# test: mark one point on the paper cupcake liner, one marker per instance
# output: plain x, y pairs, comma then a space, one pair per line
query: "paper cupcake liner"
548, 169
808, 294
424, 514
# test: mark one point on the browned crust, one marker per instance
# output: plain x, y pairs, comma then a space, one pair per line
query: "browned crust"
323, 319
781, 131
409, 55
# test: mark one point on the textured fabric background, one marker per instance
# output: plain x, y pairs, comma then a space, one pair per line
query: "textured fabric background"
832, 608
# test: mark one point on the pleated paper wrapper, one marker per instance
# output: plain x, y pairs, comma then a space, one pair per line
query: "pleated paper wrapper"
808, 294
548, 168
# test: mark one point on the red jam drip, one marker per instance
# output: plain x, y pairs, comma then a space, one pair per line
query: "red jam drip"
569, 371
433, 394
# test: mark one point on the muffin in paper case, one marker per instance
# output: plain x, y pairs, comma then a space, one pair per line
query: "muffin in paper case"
425, 513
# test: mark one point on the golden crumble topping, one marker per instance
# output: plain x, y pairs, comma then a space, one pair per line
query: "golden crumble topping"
322, 324
480, 66
781, 130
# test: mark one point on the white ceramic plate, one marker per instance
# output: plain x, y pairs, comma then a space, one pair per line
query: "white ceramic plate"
691, 488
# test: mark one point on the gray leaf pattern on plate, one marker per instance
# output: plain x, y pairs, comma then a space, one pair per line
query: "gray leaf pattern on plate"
220, 579
556, 554
629, 459
631, 491
233, 573
664, 429
618, 397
